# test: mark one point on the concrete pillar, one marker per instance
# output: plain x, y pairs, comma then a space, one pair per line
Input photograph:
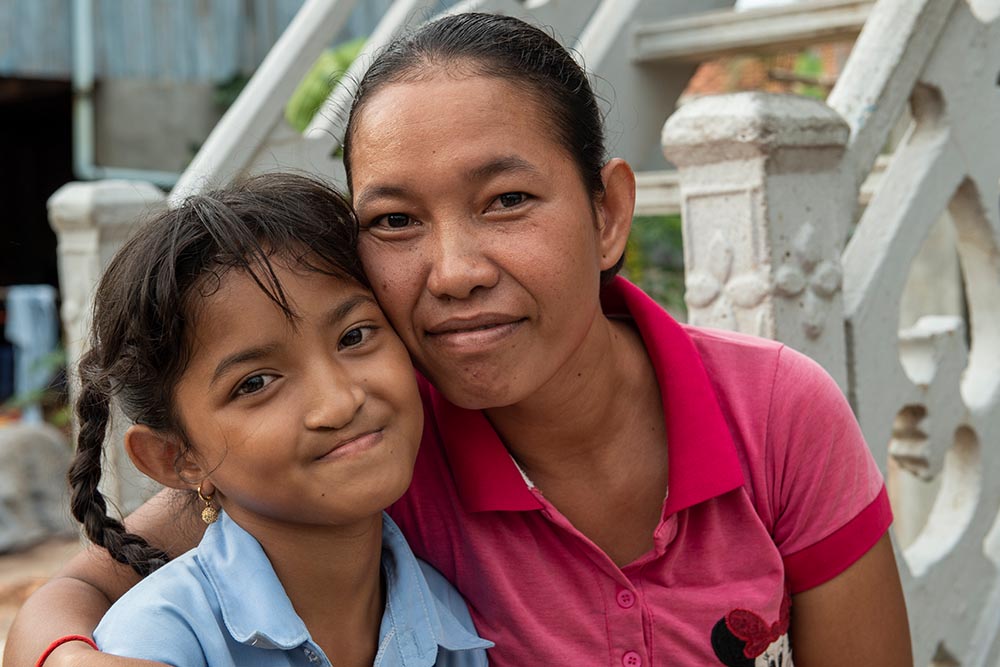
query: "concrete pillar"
765, 212
91, 220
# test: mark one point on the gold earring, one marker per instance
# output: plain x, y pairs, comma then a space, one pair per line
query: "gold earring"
209, 514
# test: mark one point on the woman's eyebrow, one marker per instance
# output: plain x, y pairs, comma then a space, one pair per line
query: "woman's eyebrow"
369, 195
479, 173
500, 165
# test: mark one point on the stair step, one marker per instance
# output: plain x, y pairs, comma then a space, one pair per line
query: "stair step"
714, 34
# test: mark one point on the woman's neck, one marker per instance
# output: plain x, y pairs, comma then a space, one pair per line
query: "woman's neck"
606, 392
593, 440
332, 575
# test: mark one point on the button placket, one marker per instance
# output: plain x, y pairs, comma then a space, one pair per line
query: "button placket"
625, 598
631, 659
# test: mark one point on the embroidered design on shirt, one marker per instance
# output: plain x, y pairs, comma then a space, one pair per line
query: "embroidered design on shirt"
741, 638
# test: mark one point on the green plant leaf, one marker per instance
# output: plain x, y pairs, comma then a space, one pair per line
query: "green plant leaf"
319, 82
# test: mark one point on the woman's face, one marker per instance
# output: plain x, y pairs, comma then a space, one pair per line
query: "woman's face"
483, 246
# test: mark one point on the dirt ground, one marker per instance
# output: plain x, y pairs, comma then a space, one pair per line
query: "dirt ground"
23, 572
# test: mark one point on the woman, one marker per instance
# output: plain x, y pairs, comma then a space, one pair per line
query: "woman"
603, 485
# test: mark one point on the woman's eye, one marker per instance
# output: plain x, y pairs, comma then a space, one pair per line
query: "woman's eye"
512, 199
394, 221
355, 337
509, 200
254, 383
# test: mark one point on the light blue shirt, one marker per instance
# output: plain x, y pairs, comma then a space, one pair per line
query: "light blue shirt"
221, 605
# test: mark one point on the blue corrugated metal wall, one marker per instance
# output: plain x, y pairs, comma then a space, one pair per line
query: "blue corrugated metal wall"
179, 40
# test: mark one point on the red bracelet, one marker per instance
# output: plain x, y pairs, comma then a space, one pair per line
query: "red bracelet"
65, 640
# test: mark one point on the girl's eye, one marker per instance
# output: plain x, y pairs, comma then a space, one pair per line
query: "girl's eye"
254, 383
355, 336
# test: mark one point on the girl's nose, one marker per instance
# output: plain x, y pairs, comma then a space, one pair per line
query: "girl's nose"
336, 398
459, 265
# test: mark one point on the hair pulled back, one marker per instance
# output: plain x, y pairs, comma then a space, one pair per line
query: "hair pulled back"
147, 298
509, 49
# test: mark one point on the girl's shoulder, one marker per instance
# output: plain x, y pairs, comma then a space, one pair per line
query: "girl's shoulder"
161, 617
181, 582
214, 605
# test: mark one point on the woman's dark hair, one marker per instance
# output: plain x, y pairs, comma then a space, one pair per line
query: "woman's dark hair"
147, 299
506, 48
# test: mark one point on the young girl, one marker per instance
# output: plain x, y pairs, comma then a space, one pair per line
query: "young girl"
240, 337
604, 485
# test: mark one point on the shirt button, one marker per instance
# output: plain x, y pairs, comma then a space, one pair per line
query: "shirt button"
311, 655
632, 659
625, 599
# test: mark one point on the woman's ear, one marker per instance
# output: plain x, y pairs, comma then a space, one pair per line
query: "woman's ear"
614, 210
162, 457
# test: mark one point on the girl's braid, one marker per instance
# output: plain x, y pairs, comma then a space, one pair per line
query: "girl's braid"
87, 503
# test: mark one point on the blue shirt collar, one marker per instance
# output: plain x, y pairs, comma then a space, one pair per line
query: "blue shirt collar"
256, 611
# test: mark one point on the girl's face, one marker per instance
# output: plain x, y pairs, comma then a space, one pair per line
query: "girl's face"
484, 247
311, 421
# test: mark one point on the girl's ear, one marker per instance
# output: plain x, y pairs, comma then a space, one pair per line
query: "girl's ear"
162, 457
614, 210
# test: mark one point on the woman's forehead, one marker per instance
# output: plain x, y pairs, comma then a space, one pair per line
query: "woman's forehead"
453, 116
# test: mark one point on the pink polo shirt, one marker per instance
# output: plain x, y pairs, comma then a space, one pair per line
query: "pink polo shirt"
771, 490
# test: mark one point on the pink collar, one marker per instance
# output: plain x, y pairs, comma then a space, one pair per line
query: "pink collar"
703, 460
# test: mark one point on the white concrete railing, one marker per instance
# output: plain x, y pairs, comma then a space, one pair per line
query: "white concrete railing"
769, 188
91, 221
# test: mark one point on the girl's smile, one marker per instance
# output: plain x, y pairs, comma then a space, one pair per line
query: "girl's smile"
353, 445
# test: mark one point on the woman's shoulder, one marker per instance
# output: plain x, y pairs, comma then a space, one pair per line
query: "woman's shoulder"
737, 362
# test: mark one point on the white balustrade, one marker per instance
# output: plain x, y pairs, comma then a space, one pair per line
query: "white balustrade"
927, 397
91, 221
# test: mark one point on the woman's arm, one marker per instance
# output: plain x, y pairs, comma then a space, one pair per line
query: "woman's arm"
74, 601
856, 618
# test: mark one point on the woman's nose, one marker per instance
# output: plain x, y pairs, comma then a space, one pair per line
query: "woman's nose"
336, 398
459, 265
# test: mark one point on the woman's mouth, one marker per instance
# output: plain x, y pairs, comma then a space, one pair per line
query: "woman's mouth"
474, 332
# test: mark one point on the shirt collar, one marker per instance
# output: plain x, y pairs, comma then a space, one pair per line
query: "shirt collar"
256, 611
416, 621
702, 457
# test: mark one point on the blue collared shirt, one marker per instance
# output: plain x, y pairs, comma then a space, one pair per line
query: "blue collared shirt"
222, 605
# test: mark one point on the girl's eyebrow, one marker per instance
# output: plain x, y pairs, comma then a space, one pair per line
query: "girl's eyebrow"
345, 307
336, 314
249, 354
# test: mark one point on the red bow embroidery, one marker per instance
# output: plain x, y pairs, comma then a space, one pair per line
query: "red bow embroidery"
753, 630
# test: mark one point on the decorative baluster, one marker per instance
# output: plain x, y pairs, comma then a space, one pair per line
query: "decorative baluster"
765, 211
91, 220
